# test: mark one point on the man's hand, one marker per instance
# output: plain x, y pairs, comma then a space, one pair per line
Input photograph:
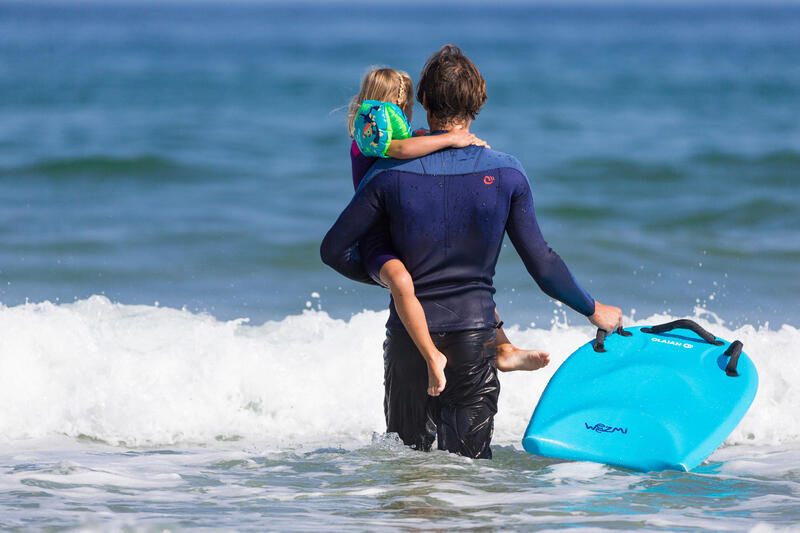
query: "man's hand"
606, 317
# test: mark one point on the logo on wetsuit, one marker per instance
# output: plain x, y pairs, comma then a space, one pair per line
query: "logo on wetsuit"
602, 428
488, 180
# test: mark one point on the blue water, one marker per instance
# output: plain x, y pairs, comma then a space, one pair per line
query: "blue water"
194, 155
168, 168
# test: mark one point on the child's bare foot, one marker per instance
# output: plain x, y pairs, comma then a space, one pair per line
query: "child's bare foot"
510, 358
436, 379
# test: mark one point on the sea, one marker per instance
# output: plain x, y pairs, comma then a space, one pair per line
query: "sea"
175, 357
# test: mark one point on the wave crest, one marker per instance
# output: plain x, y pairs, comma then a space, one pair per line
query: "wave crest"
146, 375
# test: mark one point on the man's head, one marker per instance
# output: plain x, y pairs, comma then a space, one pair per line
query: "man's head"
451, 89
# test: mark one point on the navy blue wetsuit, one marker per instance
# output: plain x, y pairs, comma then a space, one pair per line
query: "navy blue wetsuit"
446, 214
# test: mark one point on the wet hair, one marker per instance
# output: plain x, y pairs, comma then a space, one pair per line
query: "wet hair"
384, 85
451, 87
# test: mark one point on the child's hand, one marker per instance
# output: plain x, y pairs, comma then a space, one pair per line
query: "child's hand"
459, 138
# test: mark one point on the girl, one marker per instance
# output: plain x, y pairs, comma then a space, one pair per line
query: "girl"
378, 120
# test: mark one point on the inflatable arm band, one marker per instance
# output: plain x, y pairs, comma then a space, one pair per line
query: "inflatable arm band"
376, 124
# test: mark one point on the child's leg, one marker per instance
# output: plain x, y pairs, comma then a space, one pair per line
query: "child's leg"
394, 274
509, 357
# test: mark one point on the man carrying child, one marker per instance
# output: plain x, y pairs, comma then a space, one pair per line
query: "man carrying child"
447, 213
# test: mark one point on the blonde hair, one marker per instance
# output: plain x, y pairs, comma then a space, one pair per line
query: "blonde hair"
384, 85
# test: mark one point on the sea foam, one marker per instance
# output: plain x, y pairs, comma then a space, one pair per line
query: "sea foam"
148, 375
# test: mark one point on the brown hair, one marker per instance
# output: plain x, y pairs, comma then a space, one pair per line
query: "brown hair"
384, 85
451, 86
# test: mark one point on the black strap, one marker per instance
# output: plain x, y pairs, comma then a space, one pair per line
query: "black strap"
684, 323
733, 351
600, 339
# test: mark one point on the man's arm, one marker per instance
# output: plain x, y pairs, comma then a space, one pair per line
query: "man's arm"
338, 247
547, 268
543, 264
413, 147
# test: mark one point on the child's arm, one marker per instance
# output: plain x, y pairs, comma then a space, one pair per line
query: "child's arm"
418, 146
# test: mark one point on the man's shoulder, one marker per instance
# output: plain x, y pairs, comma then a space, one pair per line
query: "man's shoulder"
385, 164
477, 160
488, 159
450, 161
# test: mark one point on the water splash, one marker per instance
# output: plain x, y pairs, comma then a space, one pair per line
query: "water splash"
150, 375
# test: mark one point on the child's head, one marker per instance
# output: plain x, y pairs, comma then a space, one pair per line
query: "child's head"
385, 85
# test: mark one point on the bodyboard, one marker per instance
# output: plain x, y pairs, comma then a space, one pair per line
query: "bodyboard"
657, 398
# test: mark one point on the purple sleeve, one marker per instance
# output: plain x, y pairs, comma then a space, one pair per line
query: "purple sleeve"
360, 164
543, 264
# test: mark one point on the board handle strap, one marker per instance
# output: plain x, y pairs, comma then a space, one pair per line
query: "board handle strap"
733, 351
684, 323
600, 339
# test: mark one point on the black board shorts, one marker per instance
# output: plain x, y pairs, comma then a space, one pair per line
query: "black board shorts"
462, 417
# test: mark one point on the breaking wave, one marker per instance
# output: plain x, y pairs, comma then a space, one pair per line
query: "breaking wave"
146, 375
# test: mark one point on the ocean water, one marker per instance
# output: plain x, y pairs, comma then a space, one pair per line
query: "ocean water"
173, 355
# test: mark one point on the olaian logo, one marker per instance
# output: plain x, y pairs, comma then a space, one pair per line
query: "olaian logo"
674, 343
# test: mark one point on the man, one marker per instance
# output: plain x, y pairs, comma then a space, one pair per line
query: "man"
447, 213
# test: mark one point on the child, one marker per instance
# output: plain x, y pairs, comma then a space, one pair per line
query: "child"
378, 119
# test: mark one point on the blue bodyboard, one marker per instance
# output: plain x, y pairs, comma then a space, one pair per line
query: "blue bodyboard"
659, 398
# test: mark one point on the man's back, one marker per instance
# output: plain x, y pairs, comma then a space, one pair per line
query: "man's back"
447, 213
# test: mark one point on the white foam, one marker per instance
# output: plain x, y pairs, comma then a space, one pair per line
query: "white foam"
147, 375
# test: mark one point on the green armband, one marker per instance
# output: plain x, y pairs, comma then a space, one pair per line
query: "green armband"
376, 124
